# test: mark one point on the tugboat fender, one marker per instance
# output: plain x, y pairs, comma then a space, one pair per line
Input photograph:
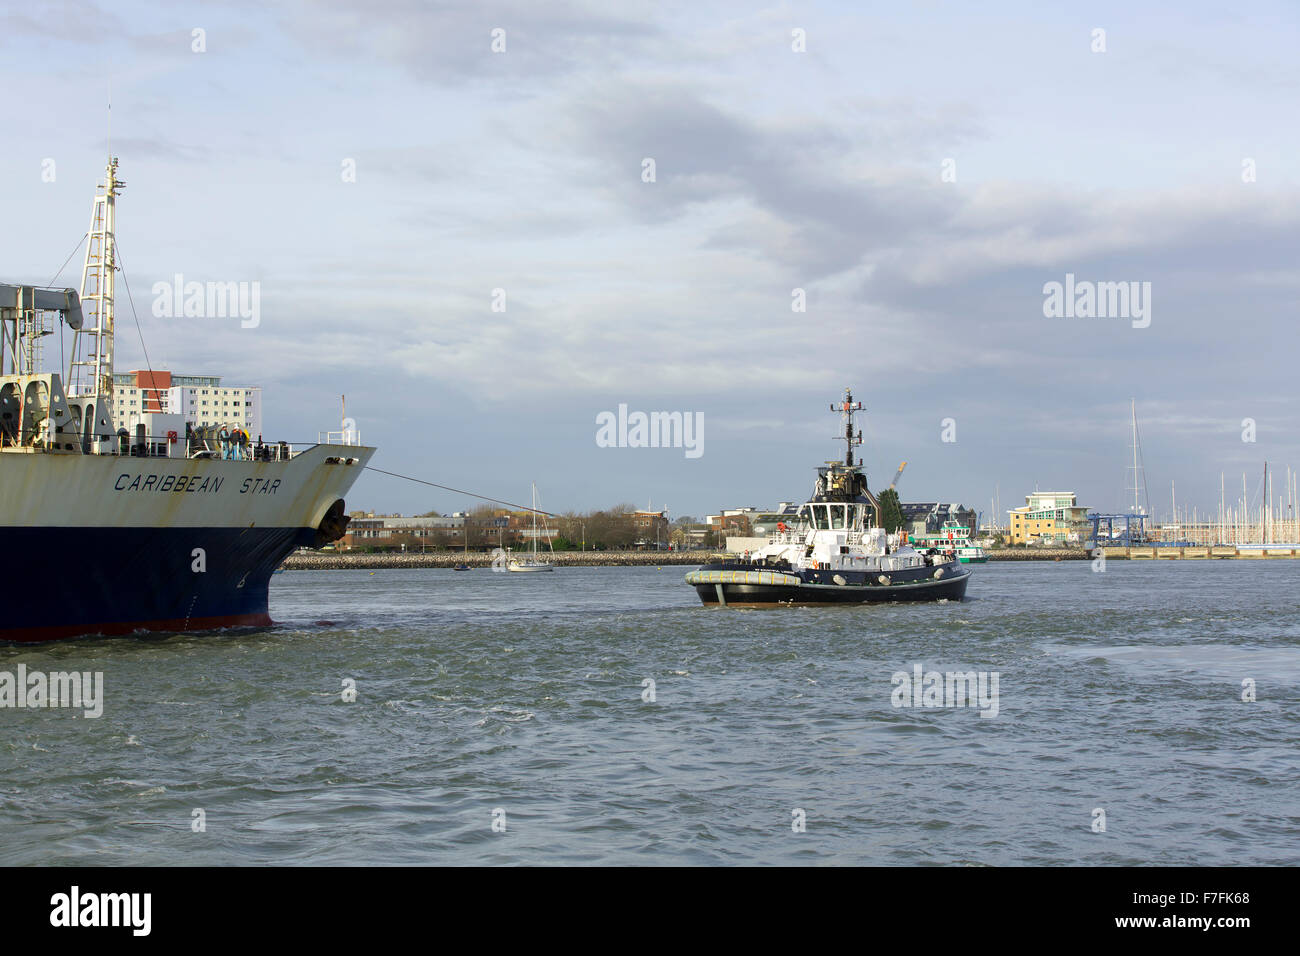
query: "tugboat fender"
742, 577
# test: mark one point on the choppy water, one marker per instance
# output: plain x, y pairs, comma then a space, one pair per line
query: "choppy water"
478, 691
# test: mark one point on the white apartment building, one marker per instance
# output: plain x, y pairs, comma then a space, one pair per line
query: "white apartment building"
199, 399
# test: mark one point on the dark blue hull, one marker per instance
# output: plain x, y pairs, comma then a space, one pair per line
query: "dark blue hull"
86, 581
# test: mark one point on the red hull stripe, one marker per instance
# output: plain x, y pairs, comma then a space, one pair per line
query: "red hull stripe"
36, 635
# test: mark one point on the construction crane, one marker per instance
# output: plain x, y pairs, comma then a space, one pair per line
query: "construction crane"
898, 474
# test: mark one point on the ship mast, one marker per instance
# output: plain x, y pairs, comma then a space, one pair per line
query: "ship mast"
846, 408
91, 376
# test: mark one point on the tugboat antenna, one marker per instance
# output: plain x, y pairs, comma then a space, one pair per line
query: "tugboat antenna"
846, 408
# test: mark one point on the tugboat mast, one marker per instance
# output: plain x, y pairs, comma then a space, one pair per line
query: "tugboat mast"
846, 408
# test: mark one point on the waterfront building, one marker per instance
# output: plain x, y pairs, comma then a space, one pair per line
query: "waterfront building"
652, 529
693, 537
765, 522
419, 532
929, 517
200, 400
1051, 518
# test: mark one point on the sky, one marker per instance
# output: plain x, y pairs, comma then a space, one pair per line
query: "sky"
467, 243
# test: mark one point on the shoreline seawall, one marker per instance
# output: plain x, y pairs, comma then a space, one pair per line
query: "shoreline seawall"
327, 561
335, 561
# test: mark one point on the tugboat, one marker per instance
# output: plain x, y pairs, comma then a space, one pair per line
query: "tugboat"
954, 537
836, 553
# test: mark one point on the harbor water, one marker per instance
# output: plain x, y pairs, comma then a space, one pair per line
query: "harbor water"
602, 716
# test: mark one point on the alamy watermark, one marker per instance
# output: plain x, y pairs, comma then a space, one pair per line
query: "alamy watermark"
37, 689
208, 300
128, 910
1086, 299
923, 688
651, 430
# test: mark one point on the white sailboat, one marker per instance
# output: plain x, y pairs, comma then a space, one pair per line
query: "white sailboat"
531, 562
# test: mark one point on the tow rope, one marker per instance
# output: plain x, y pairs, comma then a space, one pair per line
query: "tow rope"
433, 484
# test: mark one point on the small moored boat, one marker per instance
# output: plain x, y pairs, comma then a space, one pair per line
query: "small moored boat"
530, 562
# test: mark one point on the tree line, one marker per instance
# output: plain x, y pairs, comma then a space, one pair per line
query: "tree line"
607, 529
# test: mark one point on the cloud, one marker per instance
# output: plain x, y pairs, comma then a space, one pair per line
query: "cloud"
451, 43
78, 22
775, 171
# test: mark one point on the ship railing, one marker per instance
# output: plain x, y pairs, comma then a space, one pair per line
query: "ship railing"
348, 436
787, 537
254, 451
179, 447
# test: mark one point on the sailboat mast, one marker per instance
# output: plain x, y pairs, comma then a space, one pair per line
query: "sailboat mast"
1132, 405
1221, 535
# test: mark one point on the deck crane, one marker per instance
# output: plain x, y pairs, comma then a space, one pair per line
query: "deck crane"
898, 474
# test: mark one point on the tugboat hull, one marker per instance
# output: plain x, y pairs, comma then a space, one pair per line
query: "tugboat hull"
743, 585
